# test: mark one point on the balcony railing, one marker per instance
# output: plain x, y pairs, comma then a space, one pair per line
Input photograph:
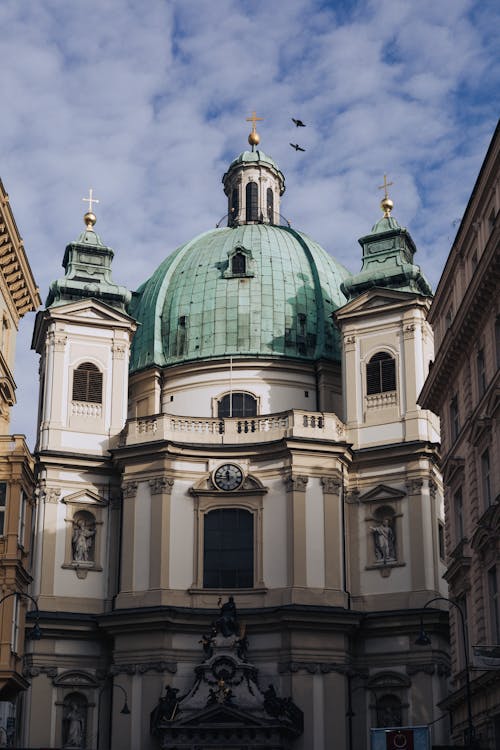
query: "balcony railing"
234, 430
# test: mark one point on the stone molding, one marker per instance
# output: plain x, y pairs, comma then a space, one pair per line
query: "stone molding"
36, 671
52, 495
161, 485
119, 350
144, 667
414, 486
312, 667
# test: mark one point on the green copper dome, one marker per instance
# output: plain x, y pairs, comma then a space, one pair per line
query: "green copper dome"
255, 290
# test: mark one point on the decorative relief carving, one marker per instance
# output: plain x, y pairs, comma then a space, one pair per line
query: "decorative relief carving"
33, 671
413, 669
433, 488
414, 486
118, 350
349, 339
143, 668
331, 485
52, 494
60, 342
161, 485
130, 489
296, 483
352, 496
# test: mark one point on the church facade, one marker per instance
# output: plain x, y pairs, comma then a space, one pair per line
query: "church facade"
240, 509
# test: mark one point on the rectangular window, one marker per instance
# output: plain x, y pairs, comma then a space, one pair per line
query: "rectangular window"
486, 477
3, 503
494, 605
441, 540
459, 634
22, 519
481, 373
458, 510
228, 549
14, 640
454, 418
497, 340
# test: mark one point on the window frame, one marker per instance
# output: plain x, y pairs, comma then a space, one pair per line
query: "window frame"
219, 551
222, 396
251, 201
88, 388
377, 361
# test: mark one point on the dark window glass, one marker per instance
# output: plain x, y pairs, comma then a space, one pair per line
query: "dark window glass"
454, 418
441, 540
270, 205
3, 499
494, 605
381, 373
228, 549
235, 204
87, 383
238, 264
237, 405
252, 201
458, 509
486, 477
389, 712
497, 340
481, 373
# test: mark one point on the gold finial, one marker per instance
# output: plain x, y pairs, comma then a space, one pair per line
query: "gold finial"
90, 217
254, 137
386, 204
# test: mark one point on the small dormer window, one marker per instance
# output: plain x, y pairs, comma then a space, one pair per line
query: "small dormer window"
252, 199
238, 264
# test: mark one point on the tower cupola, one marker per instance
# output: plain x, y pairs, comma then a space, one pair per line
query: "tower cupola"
254, 185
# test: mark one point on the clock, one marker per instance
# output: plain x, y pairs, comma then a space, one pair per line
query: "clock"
228, 477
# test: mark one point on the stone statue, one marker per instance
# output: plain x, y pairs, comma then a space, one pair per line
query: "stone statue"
227, 623
82, 540
75, 725
166, 708
384, 541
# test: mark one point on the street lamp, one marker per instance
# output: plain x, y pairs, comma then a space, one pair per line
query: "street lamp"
36, 632
425, 640
125, 710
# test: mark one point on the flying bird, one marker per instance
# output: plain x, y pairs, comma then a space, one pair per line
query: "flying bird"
298, 123
297, 147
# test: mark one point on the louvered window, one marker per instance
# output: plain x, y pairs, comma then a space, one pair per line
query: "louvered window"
87, 383
252, 201
380, 374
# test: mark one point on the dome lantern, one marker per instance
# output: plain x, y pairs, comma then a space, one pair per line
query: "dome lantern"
254, 185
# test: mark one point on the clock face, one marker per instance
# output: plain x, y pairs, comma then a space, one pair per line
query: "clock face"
228, 477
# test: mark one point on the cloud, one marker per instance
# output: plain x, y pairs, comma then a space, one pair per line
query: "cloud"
145, 102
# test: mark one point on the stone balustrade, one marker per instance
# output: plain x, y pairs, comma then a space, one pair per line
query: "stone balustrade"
206, 430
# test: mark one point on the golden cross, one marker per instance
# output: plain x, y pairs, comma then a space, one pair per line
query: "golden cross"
253, 119
385, 186
90, 200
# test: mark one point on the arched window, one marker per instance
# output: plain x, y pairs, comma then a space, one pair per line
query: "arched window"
238, 264
87, 383
235, 204
270, 205
252, 193
237, 405
228, 549
389, 711
380, 373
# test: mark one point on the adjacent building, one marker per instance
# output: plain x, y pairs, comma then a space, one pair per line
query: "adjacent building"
463, 388
18, 295
240, 509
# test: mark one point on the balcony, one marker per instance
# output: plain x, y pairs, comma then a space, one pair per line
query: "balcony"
235, 430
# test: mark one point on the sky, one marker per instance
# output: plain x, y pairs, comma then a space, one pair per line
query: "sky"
146, 102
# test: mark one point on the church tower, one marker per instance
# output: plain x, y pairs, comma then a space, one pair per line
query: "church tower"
83, 338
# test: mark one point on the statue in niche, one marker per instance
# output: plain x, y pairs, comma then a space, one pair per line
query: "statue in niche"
75, 725
383, 535
82, 540
227, 624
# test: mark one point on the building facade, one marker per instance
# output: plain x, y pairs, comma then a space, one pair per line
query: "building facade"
240, 504
463, 388
18, 295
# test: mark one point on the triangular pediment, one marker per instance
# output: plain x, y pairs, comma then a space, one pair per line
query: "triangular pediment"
377, 299
381, 494
76, 679
88, 308
84, 497
220, 714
